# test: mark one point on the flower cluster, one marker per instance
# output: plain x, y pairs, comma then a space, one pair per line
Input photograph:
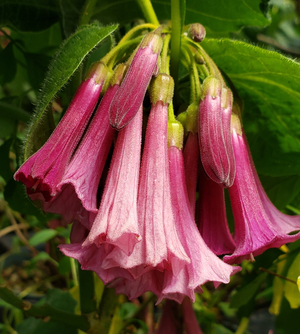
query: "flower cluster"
131, 194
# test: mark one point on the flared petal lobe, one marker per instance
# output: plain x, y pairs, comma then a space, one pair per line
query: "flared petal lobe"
258, 224
130, 96
42, 172
117, 222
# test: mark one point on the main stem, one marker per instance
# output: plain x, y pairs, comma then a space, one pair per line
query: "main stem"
148, 11
175, 44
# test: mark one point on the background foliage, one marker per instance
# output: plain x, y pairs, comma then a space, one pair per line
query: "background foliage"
256, 43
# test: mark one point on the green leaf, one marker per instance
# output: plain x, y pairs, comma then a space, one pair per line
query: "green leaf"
269, 86
229, 15
287, 322
42, 236
8, 65
248, 292
220, 329
281, 190
66, 61
5, 170
71, 12
12, 113
291, 290
17, 199
29, 15
38, 326
37, 65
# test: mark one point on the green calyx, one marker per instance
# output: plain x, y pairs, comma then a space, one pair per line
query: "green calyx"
152, 40
175, 134
211, 86
118, 75
236, 124
162, 89
99, 72
226, 98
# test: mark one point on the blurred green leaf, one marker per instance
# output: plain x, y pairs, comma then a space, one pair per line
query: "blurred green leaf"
5, 170
220, 329
64, 64
269, 86
291, 291
42, 236
17, 199
8, 65
37, 65
281, 190
287, 322
127, 310
217, 15
71, 12
248, 292
64, 265
29, 15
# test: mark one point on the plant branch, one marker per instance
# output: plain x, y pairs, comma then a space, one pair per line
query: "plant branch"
148, 11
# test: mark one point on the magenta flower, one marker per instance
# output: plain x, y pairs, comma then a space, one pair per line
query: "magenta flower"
191, 324
42, 172
130, 96
205, 265
77, 197
160, 247
258, 224
117, 222
215, 145
212, 221
191, 161
170, 322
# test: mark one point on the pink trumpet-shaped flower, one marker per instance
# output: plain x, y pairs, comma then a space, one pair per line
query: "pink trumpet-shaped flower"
77, 198
191, 324
160, 247
212, 221
214, 129
258, 224
170, 322
191, 161
117, 222
205, 265
130, 96
42, 172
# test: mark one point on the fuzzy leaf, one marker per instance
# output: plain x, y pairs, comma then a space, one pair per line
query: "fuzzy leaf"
64, 64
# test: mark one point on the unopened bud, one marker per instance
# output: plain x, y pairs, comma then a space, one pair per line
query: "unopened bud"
182, 118
162, 89
199, 59
118, 75
192, 118
175, 134
197, 32
152, 40
211, 86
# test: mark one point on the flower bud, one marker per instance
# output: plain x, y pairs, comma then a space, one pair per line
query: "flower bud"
213, 147
99, 72
118, 75
162, 89
192, 118
199, 59
130, 95
197, 32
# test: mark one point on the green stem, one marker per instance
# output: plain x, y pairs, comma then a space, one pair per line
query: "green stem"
175, 44
86, 291
87, 12
148, 11
107, 307
45, 311
164, 55
136, 29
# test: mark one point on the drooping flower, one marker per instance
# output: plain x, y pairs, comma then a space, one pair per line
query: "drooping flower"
116, 222
130, 96
258, 224
191, 155
42, 172
205, 265
170, 323
191, 324
211, 216
215, 148
160, 247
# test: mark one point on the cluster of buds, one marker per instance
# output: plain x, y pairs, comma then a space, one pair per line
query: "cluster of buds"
136, 220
